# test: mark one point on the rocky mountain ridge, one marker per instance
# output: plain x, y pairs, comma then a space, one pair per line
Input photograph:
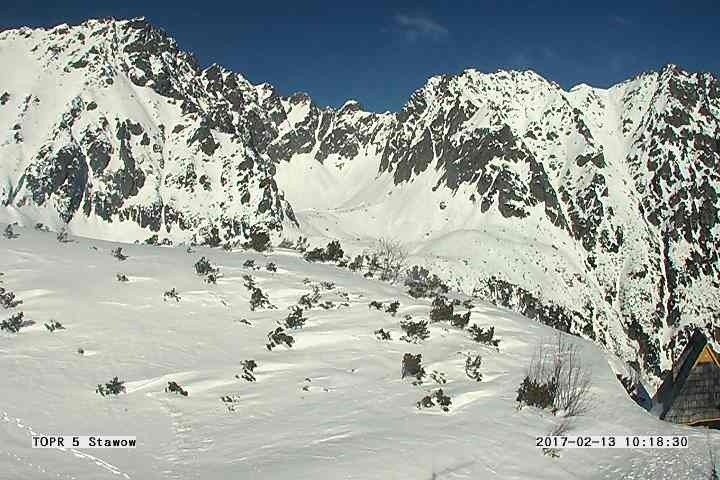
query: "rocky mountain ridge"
595, 210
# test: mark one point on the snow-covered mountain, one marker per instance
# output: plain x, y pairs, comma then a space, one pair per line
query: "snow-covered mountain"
593, 210
112, 129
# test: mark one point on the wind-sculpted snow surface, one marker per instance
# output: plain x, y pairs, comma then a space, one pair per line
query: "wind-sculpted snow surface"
333, 404
593, 210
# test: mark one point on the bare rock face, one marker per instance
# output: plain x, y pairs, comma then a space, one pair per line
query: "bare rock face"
604, 203
141, 134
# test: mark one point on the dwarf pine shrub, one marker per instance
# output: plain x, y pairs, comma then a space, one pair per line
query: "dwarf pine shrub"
421, 283
8, 299
279, 337
117, 253
204, 267
436, 398
415, 331
54, 325
248, 369
258, 299
333, 252
14, 323
460, 321
174, 387
376, 305
171, 294
441, 310
472, 367
536, 393
113, 387
481, 335
393, 308
382, 334
295, 319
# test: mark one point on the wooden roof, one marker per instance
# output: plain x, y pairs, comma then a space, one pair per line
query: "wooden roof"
696, 352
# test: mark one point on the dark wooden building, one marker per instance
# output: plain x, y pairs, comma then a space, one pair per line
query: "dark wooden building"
690, 393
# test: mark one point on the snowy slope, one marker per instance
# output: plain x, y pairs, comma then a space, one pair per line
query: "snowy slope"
333, 405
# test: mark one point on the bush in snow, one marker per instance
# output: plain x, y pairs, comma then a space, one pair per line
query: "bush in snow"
113, 387
557, 380
356, 264
331, 253
472, 367
279, 337
441, 310
152, 240
40, 227
393, 308
423, 284
259, 239
249, 263
121, 277
54, 325
536, 393
460, 321
172, 294
9, 233
211, 278
14, 323
309, 300
204, 267
412, 367
271, 267
174, 387
258, 299
414, 331
295, 319
388, 257
438, 377
438, 398
301, 244
481, 335
7, 299
117, 253
382, 334
376, 305
248, 368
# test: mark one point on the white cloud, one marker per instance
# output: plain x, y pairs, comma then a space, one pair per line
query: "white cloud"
417, 26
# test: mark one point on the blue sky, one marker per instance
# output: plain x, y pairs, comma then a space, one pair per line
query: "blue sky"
380, 52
